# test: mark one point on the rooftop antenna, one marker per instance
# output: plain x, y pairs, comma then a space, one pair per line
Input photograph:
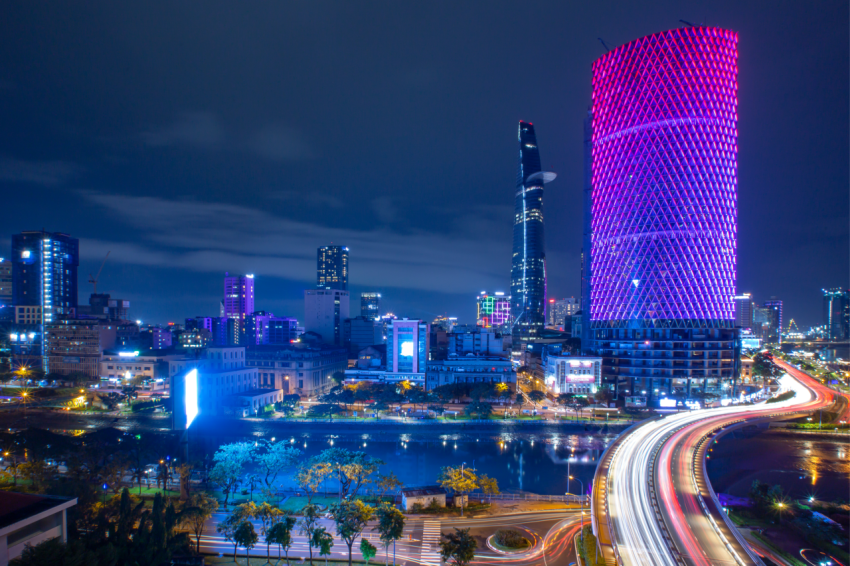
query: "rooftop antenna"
689, 23
93, 278
605, 45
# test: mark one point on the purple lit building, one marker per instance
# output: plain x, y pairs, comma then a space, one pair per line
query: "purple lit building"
663, 212
238, 302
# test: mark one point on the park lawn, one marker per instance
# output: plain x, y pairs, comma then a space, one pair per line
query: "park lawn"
152, 491
783, 554
295, 504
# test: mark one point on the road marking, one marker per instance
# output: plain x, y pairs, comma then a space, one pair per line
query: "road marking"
431, 543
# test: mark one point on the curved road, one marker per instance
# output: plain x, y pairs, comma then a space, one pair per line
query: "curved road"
652, 503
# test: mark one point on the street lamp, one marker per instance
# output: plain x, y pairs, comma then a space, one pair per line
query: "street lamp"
581, 502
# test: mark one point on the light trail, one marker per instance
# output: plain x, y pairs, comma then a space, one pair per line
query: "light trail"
660, 510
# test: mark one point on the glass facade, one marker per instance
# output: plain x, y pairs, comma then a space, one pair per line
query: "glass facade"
528, 265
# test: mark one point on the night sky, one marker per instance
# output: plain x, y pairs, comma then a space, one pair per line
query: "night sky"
190, 139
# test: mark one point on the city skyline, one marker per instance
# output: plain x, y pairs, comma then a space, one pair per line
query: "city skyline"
152, 179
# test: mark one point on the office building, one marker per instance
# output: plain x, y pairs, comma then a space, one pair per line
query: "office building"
773, 313
360, 332
370, 305
559, 310
744, 311
479, 342
144, 364
103, 306
194, 339
238, 303
836, 313
44, 275
324, 312
263, 327
469, 369
664, 212
578, 375
407, 346
528, 264
494, 311
224, 384
302, 369
76, 345
6, 312
332, 268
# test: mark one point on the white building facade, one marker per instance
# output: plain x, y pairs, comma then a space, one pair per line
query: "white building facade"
573, 374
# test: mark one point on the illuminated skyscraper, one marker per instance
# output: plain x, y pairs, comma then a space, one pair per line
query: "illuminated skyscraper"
836, 313
44, 279
664, 210
370, 305
238, 303
528, 265
494, 311
332, 268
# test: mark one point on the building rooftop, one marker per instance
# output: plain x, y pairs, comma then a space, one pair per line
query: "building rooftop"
15, 507
255, 392
423, 490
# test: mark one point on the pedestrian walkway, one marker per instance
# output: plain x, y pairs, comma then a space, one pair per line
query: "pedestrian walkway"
431, 542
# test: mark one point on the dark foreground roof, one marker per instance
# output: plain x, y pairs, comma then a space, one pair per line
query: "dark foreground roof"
16, 507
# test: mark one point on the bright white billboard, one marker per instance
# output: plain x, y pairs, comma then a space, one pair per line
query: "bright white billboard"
191, 396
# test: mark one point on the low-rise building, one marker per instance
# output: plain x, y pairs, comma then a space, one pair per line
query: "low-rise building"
222, 376
305, 369
424, 495
573, 374
27, 519
253, 402
76, 345
469, 369
380, 375
480, 342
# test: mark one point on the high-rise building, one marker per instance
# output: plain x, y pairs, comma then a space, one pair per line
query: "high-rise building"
773, 312
324, 312
370, 305
664, 211
559, 310
528, 265
6, 306
263, 327
76, 345
744, 311
332, 268
407, 346
836, 313
44, 275
494, 311
360, 332
238, 303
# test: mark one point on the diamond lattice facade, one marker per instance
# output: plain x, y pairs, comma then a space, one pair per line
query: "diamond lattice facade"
664, 208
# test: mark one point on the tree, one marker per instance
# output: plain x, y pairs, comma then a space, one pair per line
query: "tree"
289, 404
338, 377
324, 410
536, 396
200, 507
368, 550
479, 409
308, 525
460, 480
482, 391
521, 399
184, 472
163, 475
281, 534
310, 476
230, 461
390, 527
246, 537
488, 485
459, 547
387, 483
353, 469
565, 399
350, 518
267, 514
324, 541
230, 524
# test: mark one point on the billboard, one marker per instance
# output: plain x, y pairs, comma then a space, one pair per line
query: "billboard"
191, 396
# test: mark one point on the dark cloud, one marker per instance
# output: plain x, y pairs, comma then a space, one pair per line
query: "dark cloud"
46, 173
194, 129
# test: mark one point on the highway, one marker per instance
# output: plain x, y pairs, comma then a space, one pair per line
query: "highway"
652, 502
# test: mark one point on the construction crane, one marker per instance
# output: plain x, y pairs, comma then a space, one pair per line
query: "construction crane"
93, 278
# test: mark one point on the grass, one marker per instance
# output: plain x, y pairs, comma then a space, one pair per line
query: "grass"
587, 548
770, 544
295, 504
227, 559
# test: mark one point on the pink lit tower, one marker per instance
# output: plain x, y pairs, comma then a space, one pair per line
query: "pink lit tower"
663, 213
